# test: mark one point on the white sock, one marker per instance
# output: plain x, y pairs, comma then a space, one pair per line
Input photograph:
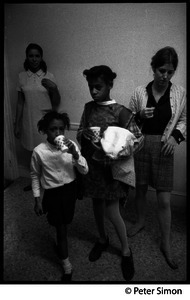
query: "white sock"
66, 265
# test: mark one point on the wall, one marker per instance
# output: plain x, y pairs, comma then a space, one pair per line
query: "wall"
77, 36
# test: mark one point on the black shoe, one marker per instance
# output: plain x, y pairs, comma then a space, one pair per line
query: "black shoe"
27, 188
66, 278
171, 263
127, 267
97, 250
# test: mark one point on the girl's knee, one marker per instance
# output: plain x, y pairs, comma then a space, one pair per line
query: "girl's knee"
163, 199
112, 208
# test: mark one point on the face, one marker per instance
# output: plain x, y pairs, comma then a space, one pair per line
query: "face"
163, 74
34, 58
99, 90
56, 127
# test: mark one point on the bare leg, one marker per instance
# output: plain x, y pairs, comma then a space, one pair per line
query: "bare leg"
140, 203
62, 243
102, 244
98, 208
114, 215
127, 264
164, 217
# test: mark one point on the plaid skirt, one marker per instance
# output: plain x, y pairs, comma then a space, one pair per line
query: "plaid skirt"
99, 183
59, 203
152, 167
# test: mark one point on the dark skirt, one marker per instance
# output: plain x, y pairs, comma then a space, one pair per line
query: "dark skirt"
59, 204
152, 167
99, 183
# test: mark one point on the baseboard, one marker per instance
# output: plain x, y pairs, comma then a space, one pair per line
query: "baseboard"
175, 193
7, 182
74, 126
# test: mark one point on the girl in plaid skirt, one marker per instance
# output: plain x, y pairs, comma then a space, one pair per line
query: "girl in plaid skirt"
99, 183
160, 109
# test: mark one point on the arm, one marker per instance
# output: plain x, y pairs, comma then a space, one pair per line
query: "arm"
178, 134
53, 92
38, 206
135, 105
19, 114
81, 164
84, 134
55, 98
35, 172
81, 128
127, 119
78, 160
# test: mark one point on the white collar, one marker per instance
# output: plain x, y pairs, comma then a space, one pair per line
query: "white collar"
106, 102
38, 73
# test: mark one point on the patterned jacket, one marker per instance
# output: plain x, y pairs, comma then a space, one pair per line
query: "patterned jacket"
130, 125
139, 100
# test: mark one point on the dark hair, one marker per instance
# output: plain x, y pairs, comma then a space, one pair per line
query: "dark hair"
100, 71
166, 55
34, 46
43, 65
43, 123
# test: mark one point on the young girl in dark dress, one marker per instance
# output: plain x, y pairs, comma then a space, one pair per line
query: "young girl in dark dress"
99, 183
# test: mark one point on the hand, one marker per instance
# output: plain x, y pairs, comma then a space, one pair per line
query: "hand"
38, 207
17, 132
88, 134
169, 147
72, 148
147, 112
48, 84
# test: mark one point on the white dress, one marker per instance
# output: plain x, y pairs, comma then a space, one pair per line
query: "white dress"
37, 102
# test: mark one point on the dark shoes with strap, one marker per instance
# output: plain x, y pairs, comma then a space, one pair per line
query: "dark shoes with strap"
171, 263
97, 250
127, 267
66, 278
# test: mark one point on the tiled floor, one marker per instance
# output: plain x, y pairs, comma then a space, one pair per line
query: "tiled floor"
29, 254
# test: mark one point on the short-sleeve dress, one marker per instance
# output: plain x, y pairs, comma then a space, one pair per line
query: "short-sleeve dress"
98, 182
37, 102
